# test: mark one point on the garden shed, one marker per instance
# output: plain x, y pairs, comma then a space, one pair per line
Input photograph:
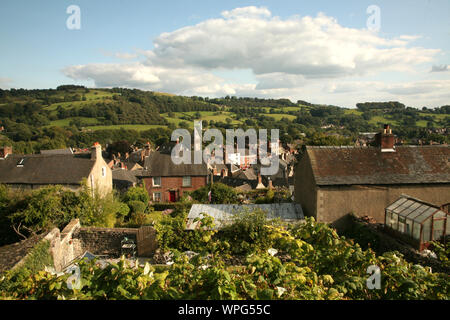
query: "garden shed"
416, 221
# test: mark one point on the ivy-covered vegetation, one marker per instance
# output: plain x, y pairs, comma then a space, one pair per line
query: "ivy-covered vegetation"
304, 261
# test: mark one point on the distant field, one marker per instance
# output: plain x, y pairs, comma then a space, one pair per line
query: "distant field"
379, 119
137, 127
279, 116
91, 96
353, 111
66, 122
205, 115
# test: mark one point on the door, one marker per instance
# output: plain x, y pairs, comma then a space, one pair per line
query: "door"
146, 241
172, 196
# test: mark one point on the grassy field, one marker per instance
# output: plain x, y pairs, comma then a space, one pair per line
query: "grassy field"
205, 115
92, 96
66, 122
137, 127
279, 116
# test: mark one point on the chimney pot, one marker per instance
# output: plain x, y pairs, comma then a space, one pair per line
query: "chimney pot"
96, 151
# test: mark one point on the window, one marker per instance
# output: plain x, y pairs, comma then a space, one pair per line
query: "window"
103, 171
157, 196
187, 181
157, 181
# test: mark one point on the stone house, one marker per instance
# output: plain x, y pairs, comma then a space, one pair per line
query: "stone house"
69, 170
166, 181
331, 182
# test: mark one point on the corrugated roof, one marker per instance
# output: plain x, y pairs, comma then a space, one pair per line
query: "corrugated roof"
222, 213
368, 165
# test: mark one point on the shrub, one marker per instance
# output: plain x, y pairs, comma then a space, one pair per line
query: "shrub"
220, 194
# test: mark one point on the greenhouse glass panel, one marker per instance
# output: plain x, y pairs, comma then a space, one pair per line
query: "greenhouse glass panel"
428, 213
396, 204
403, 206
416, 231
410, 209
394, 221
401, 224
421, 209
409, 228
426, 236
388, 218
440, 214
438, 229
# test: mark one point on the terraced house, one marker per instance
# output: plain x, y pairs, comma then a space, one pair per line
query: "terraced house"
166, 181
331, 182
33, 171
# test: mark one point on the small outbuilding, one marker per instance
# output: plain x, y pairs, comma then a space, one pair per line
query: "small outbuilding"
416, 221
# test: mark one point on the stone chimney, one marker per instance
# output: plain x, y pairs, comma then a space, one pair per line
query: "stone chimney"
385, 140
270, 184
96, 151
260, 184
224, 173
5, 151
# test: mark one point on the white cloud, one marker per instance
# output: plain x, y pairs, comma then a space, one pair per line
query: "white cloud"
297, 58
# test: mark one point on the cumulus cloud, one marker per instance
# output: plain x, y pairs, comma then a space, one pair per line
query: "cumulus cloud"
316, 47
287, 57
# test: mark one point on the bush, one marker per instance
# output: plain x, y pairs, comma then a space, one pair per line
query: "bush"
220, 194
248, 232
136, 194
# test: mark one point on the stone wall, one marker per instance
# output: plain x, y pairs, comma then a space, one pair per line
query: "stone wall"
103, 241
62, 246
69, 244
337, 201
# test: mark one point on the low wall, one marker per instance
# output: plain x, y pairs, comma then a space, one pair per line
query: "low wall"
103, 241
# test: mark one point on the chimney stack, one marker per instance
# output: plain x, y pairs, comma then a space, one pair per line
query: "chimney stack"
5, 151
270, 184
385, 139
96, 151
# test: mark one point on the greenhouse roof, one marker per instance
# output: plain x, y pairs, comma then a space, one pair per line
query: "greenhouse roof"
414, 209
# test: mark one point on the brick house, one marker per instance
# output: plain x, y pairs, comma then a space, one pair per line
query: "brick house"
331, 182
33, 171
166, 181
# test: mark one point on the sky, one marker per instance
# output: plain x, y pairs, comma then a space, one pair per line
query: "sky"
326, 52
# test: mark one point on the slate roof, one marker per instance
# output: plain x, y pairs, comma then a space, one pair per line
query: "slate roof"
57, 151
160, 164
45, 169
123, 175
369, 166
222, 213
11, 254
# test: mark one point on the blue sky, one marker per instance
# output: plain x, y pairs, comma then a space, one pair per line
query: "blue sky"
319, 51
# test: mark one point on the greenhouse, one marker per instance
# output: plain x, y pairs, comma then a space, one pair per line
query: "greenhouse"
419, 221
